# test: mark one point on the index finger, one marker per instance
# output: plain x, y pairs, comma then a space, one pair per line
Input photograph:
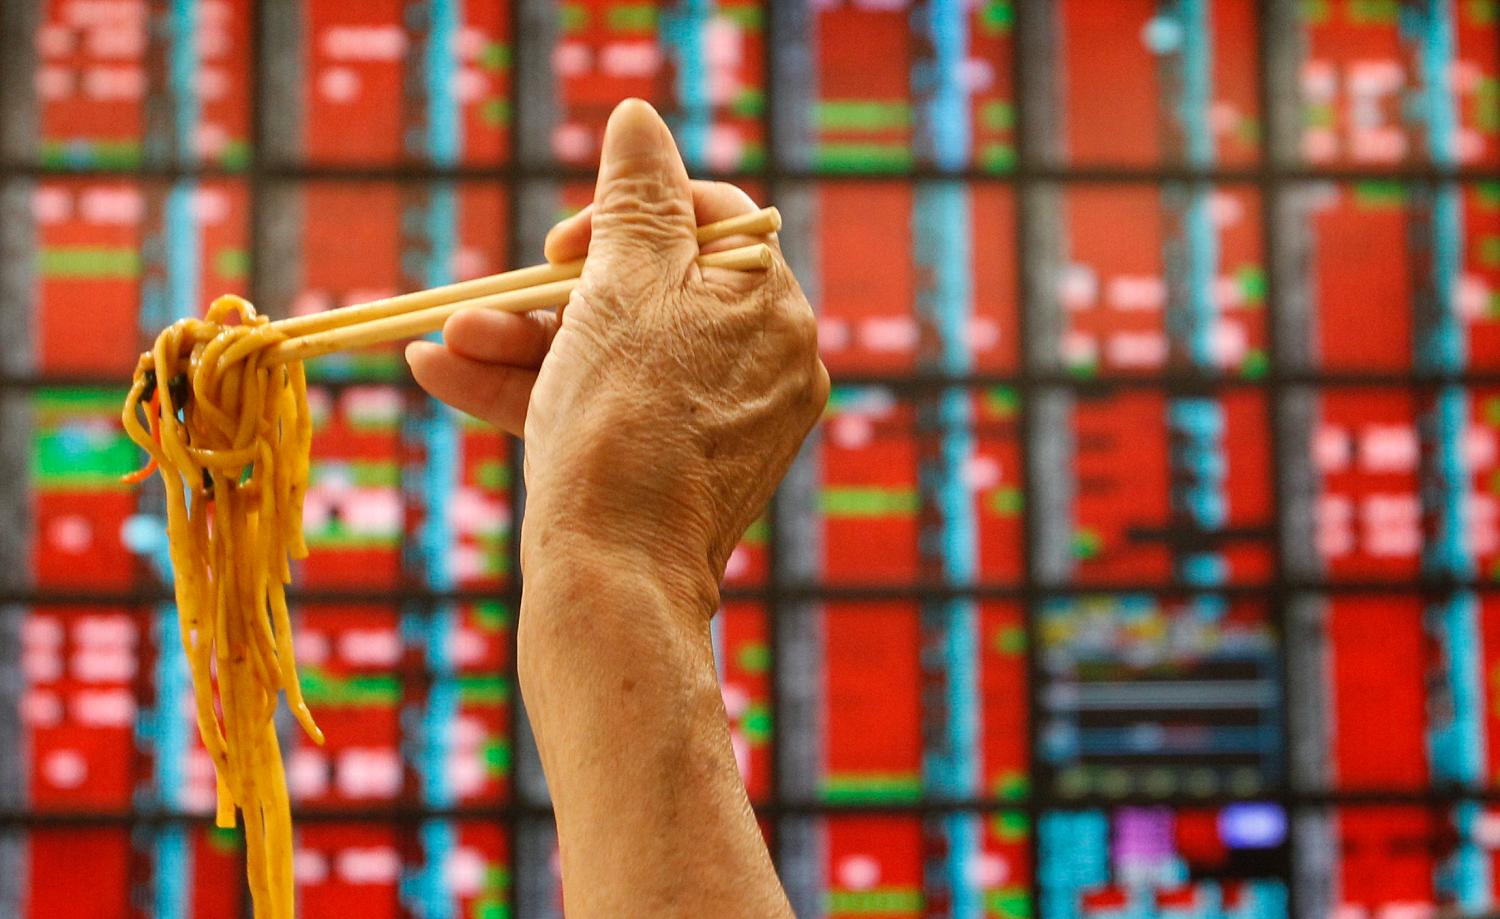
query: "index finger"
712, 201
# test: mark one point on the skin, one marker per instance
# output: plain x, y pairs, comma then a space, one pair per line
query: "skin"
659, 411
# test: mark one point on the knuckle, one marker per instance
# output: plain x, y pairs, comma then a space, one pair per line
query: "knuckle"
820, 389
727, 286
807, 327
800, 324
813, 397
803, 319
642, 204
609, 287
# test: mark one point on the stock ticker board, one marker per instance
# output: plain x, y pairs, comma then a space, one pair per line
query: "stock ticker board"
1146, 562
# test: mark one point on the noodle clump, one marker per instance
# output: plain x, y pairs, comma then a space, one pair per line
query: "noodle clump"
230, 436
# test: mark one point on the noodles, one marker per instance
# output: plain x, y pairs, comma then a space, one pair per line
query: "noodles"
230, 440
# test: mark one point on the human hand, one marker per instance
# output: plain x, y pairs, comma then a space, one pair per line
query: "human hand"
663, 404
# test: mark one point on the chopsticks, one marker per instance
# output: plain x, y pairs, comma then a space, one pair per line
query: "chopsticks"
536, 287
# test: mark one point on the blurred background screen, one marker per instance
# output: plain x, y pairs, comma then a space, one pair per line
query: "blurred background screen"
1147, 562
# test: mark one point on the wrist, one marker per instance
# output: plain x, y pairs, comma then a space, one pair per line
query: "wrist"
575, 556
617, 501
595, 614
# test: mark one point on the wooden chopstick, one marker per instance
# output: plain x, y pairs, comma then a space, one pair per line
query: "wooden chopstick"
421, 321
756, 223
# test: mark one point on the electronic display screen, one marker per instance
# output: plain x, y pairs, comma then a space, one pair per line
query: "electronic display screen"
1146, 561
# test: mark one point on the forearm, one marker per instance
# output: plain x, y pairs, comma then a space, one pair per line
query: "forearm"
617, 670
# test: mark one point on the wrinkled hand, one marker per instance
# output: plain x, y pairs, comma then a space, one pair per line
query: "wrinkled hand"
664, 403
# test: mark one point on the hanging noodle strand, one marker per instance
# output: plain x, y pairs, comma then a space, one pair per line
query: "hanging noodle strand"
230, 438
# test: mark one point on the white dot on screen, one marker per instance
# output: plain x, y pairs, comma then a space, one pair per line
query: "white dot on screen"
859, 872
65, 768
71, 534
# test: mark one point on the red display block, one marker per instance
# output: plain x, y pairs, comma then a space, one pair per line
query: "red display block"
93, 263
1116, 295
1379, 701
866, 114
874, 865
367, 99
53, 884
704, 70
368, 869
83, 516
1395, 858
1364, 83
873, 516
82, 672
1363, 308
869, 318
1383, 711
874, 860
1123, 72
364, 240
361, 667
1124, 528
354, 513
97, 64
1369, 450
872, 685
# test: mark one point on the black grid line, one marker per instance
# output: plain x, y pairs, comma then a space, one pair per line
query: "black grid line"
396, 813
418, 171
771, 598
1025, 144
1269, 188
853, 593
1169, 381
515, 455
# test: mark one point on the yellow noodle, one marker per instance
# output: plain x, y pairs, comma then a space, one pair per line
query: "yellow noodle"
224, 812
282, 478
205, 380
276, 815
299, 458
250, 410
234, 462
234, 458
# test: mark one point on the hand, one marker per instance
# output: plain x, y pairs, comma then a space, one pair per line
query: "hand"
664, 403
660, 407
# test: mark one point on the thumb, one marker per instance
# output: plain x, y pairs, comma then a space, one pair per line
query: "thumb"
643, 201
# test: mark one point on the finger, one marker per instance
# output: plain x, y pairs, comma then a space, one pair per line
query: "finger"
517, 339
712, 202
643, 203
490, 392
569, 237
715, 201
